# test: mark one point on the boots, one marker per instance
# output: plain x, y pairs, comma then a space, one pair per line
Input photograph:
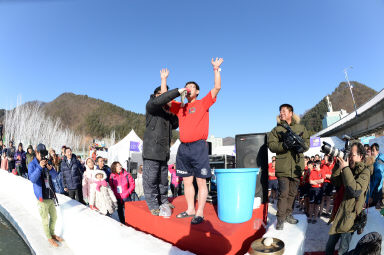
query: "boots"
279, 225
291, 220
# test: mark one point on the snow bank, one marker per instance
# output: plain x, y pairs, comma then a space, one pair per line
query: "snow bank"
375, 223
293, 235
84, 231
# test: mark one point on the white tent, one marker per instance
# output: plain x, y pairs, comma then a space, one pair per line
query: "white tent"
332, 140
121, 150
224, 150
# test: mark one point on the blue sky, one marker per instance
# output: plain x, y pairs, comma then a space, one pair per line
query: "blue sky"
274, 51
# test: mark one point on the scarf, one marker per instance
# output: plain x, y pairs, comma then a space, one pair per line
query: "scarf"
101, 183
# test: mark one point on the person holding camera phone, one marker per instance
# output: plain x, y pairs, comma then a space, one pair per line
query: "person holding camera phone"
352, 175
41, 174
289, 160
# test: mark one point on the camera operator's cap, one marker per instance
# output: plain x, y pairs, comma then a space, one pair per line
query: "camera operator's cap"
41, 148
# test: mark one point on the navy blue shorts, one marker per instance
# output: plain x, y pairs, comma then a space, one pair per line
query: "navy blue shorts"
327, 189
192, 160
315, 195
273, 185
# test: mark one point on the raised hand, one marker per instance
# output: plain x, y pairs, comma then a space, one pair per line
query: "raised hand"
216, 63
164, 73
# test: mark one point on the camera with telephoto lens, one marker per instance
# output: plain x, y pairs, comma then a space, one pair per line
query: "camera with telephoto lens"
335, 152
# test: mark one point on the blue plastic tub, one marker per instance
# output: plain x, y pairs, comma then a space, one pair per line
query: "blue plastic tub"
235, 193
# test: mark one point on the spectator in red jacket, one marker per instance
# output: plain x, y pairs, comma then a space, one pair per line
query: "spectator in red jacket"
123, 185
272, 181
316, 180
326, 168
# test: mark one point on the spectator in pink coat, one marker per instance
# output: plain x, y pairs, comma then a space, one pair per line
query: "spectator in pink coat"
175, 181
88, 178
122, 185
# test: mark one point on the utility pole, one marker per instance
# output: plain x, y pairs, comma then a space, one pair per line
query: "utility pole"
350, 88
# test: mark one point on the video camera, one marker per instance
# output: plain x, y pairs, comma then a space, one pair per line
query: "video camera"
335, 152
293, 141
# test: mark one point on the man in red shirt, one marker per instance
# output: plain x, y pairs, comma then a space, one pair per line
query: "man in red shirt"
192, 156
316, 179
326, 168
272, 180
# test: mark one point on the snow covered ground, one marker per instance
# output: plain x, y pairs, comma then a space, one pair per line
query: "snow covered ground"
84, 231
316, 235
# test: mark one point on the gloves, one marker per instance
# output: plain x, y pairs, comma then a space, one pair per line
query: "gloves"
288, 142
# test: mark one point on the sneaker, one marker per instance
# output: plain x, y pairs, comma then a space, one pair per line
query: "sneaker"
291, 220
280, 225
52, 242
309, 220
314, 221
57, 238
155, 212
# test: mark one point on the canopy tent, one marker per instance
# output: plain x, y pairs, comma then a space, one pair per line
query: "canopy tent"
332, 140
224, 150
129, 146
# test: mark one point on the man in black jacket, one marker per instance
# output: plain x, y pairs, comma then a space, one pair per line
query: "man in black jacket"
156, 145
72, 175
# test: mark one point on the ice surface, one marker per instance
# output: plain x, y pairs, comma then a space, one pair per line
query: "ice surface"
293, 235
84, 231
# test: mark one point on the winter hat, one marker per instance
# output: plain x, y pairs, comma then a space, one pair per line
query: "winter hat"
100, 172
86, 166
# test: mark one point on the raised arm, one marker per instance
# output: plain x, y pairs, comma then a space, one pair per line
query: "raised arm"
164, 75
216, 69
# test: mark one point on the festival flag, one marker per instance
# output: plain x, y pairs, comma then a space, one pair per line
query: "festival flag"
134, 146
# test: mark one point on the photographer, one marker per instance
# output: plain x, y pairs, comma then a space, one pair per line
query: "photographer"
352, 176
41, 174
289, 160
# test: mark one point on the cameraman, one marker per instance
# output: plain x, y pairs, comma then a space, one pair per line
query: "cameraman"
352, 176
289, 162
43, 188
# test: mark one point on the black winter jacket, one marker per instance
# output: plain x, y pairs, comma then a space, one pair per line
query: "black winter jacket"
159, 125
72, 173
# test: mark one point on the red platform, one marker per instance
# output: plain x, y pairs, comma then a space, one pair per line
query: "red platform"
210, 237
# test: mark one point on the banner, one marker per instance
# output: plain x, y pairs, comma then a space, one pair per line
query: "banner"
315, 142
134, 146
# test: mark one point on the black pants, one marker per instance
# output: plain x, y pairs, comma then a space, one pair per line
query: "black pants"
155, 182
76, 194
176, 191
120, 210
287, 193
345, 239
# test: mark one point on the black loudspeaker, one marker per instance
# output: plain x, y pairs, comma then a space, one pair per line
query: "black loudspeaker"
252, 152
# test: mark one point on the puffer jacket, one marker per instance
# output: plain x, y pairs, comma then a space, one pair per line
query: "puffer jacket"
376, 182
20, 157
288, 163
159, 125
88, 178
104, 200
34, 173
355, 182
125, 181
30, 156
72, 173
